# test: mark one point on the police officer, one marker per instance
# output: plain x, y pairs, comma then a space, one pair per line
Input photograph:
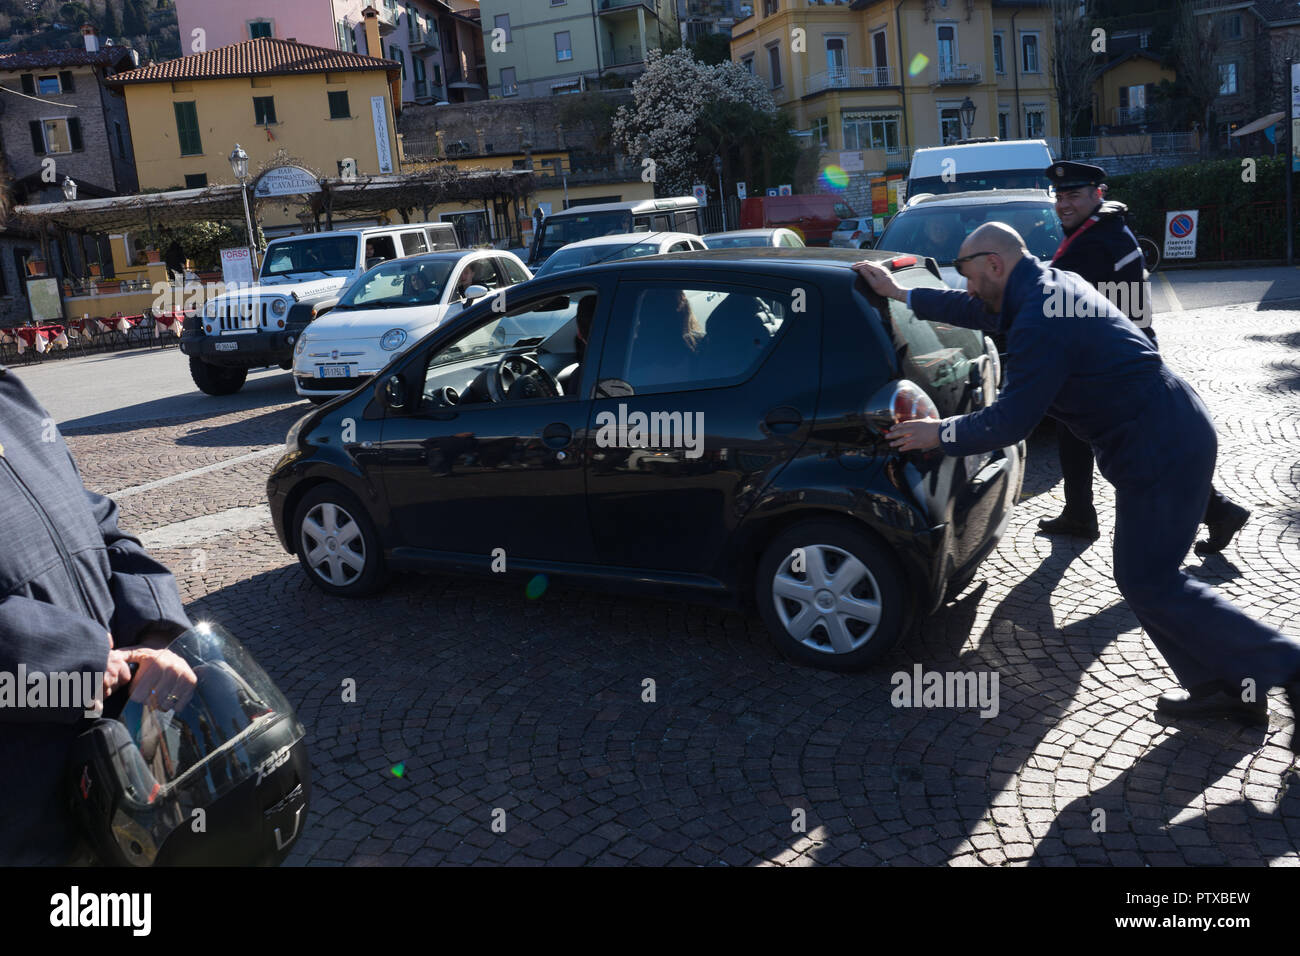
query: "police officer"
1099, 246
1154, 441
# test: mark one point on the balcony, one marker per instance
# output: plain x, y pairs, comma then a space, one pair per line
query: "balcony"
622, 6
423, 40
948, 73
850, 79
463, 80
387, 17
622, 56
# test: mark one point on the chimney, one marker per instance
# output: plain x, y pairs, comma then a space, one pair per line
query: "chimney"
89, 38
478, 134
290, 39
373, 46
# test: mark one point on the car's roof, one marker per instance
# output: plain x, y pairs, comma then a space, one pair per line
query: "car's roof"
627, 238
756, 260
453, 255
364, 230
745, 232
638, 205
981, 197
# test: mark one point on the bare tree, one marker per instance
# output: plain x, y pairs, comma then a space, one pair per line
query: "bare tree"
1195, 45
1075, 66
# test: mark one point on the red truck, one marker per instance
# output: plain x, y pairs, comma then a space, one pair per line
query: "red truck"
813, 216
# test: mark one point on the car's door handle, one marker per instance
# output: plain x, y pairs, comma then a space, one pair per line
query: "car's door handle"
557, 435
783, 419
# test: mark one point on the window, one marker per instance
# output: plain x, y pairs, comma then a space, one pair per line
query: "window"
870, 131
702, 336
258, 29
881, 50
400, 57
774, 64
412, 25
1004, 123
341, 31
748, 64
821, 131
836, 61
502, 21
339, 108
421, 84
563, 51
414, 243
949, 124
1227, 79
947, 47
770, 7
187, 128
62, 135
1230, 26
437, 76
196, 180
264, 110
379, 249
508, 86
999, 61
1035, 122
1029, 53
514, 272
47, 85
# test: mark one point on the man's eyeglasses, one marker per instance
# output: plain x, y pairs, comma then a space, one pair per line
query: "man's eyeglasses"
957, 263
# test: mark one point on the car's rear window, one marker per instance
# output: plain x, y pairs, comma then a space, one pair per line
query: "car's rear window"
938, 231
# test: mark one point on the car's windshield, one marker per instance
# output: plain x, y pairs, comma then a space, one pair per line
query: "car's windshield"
733, 242
562, 230
399, 282
316, 254
605, 252
963, 182
939, 232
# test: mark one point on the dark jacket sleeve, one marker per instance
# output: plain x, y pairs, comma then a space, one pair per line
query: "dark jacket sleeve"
953, 307
47, 639
144, 591
1036, 366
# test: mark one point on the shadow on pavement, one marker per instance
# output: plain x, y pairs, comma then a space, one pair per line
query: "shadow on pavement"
266, 390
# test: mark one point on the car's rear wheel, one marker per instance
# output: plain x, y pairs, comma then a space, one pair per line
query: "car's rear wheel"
831, 596
337, 543
216, 379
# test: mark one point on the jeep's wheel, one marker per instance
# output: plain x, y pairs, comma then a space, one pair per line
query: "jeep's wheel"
831, 596
337, 543
216, 379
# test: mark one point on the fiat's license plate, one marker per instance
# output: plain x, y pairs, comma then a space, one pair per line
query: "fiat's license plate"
225, 346
332, 371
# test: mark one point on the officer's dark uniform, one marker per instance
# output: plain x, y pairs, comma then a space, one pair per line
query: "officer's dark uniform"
1154, 441
1105, 252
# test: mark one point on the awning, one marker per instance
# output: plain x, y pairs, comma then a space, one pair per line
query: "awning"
1263, 123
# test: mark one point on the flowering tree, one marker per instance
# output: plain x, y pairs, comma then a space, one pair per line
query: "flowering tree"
674, 121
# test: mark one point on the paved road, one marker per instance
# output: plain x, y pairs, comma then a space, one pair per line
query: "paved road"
500, 707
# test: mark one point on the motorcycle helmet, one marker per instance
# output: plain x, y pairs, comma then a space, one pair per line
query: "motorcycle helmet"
222, 779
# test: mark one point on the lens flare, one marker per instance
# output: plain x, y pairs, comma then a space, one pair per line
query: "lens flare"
919, 63
835, 177
399, 770
536, 587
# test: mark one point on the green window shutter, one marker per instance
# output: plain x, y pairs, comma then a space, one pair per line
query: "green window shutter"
74, 133
66, 81
29, 84
38, 137
187, 128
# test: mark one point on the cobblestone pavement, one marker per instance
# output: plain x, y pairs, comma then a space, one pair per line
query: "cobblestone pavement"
497, 704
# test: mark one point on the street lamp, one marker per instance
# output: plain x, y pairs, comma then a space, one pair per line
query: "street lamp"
967, 111
722, 197
239, 166
69, 188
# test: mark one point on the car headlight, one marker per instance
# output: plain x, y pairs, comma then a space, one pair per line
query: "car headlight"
302, 344
279, 306
292, 451
392, 339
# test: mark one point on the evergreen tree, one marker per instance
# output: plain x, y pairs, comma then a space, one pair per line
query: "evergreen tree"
135, 21
112, 26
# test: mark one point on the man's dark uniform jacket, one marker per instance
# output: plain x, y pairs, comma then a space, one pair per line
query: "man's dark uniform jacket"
1103, 249
68, 577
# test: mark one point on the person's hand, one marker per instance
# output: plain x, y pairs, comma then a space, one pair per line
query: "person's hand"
881, 282
164, 680
118, 672
920, 434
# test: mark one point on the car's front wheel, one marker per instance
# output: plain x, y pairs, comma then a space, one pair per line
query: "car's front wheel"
831, 596
337, 543
216, 379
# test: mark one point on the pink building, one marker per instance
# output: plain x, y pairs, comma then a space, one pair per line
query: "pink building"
425, 36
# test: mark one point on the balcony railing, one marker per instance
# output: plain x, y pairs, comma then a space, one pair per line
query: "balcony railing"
845, 79
948, 73
1124, 115
623, 55
617, 6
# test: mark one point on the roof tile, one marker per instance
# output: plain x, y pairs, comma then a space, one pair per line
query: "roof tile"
265, 56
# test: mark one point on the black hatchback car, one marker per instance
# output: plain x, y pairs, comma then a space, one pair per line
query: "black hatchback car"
706, 422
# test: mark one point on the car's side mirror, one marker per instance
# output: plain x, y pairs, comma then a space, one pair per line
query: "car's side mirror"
395, 392
475, 291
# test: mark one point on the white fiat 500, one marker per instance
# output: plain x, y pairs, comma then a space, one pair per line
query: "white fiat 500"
388, 309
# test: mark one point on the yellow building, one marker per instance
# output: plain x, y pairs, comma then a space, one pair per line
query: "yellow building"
875, 79
1122, 95
329, 110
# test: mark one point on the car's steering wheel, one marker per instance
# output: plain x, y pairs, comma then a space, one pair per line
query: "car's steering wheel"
522, 374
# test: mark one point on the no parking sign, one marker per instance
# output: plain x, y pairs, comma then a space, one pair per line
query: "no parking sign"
1180, 234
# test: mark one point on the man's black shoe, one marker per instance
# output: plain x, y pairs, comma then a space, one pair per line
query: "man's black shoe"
1222, 529
1064, 524
1211, 703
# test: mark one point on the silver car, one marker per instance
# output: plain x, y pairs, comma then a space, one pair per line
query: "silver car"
741, 238
854, 234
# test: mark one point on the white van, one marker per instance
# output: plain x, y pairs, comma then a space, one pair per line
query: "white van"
977, 165
676, 214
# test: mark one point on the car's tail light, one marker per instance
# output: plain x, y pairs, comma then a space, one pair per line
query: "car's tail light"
899, 401
857, 234
901, 262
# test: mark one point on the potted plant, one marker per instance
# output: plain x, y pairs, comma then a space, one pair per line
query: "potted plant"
36, 266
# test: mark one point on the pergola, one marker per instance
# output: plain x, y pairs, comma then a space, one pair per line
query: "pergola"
356, 196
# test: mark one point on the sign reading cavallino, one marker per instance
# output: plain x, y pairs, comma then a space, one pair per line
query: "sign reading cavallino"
285, 181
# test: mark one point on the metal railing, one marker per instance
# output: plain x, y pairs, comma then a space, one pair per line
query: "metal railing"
623, 55
1130, 114
1132, 144
851, 78
612, 6
946, 71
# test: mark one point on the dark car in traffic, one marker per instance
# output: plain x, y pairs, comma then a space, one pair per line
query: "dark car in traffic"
720, 434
